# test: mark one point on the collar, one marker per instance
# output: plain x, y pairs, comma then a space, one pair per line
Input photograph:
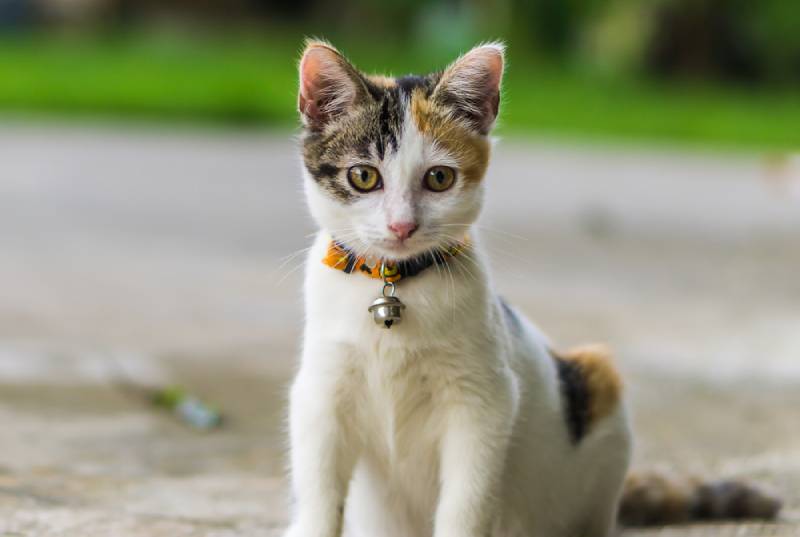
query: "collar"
342, 258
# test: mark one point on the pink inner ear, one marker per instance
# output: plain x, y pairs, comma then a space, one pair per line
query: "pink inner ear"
494, 63
494, 66
489, 61
495, 77
310, 74
310, 69
312, 81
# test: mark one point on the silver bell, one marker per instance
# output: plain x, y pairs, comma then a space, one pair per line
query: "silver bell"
387, 311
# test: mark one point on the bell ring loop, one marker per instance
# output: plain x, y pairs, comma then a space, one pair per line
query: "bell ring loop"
391, 286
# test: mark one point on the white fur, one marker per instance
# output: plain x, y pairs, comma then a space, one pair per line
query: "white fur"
449, 424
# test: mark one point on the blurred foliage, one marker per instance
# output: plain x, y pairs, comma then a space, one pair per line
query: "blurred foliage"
252, 80
734, 40
719, 71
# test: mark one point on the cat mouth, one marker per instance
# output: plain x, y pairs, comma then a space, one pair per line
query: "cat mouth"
396, 246
399, 250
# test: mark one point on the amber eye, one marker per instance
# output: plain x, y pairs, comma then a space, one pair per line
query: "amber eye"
364, 178
439, 178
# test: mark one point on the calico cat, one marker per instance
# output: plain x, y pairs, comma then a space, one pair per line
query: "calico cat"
448, 414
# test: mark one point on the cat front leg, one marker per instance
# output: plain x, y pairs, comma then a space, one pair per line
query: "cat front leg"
473, 452
321, 464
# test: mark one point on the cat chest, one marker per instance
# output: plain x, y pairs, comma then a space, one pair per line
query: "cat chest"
399, 412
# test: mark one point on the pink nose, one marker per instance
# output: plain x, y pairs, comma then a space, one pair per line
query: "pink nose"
403, 230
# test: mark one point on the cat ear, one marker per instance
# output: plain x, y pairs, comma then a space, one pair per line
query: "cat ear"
471, 85
329, 85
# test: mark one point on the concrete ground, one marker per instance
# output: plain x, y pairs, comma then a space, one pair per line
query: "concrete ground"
137, 258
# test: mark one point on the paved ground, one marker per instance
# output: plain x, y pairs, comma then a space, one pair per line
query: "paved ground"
146, 257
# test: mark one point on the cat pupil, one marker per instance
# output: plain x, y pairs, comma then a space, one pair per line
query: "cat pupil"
364, 175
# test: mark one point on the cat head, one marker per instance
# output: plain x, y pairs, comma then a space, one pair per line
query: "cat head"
394, 166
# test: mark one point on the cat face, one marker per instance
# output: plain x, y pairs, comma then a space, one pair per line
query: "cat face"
394, 167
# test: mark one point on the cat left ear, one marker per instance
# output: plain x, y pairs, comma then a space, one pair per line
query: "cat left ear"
329, 85
471, 85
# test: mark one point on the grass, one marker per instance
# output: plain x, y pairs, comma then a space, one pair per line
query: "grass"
168, 77
251, 80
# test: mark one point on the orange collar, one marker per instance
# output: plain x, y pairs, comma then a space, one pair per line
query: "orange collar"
341, 258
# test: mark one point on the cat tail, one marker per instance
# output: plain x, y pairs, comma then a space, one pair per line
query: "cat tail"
658, 498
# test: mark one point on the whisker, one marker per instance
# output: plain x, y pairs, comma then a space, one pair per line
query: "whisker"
460, 263
290, 272
453, 289
284, 260
486, 228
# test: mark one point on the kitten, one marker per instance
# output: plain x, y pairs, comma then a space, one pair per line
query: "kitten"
458, 420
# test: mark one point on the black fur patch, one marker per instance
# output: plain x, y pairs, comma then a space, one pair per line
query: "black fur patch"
409, 82
327, 176
385, 136
728, 499
326, 170
427, 83
576, 397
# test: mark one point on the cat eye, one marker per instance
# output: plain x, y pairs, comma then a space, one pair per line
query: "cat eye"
439, 178
364, 178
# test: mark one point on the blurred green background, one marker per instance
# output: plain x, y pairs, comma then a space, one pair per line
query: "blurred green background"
712, 72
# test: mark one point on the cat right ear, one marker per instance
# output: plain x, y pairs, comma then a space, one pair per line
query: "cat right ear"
471, 85
329, 85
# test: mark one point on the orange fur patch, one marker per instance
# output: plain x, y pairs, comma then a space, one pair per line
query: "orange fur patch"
382, 81
470, 149
602, 379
